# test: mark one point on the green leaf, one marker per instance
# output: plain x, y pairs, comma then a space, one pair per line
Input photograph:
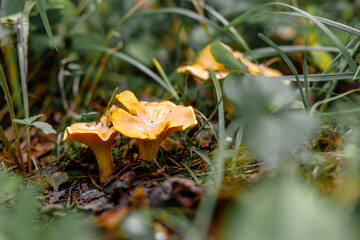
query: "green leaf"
45, 20
33, 118
20, 121
225, 57
45, 127
28, 121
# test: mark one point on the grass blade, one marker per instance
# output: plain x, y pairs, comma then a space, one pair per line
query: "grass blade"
194, 16
289, 63
317, 104
203, 155
316, 77
166, 79
7, 144
268, 51
131, 61
201, 128
209, 198
221, 113
329, 22
5, 87
238, 139
193, 91
330, 34
302, 13
22, 32
196, 179
183, 12
239, 39
306, 83
45, 21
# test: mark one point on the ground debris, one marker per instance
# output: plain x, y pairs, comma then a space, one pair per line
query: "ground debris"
176, 192
55, 177
91, 195
55, 196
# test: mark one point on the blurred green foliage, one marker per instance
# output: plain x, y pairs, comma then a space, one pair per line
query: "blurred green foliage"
272, 129
276, 128
284, 208
21, 216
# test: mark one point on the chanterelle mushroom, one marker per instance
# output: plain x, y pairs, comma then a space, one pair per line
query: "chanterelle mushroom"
150, 122
99, 136
206, 60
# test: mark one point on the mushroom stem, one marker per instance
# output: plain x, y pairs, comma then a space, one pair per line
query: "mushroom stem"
148, 149
104, 159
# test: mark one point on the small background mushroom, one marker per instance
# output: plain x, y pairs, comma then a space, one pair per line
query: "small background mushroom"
206, 60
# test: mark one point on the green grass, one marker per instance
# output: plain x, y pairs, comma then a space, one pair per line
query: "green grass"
263, 158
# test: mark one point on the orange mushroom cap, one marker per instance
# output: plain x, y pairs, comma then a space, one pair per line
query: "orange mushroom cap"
150, 120
90, 133
99, 136
206, 60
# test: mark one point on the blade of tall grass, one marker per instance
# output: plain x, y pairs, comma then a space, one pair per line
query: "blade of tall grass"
329, 22
238, 140
290, 64
184, 12
268, 51
22, 31
126, 16
326, 30
203, 155
131, 61
94, 59
199, 7
193, 91
200, 129
221, 114
337, 113
239, 39
337, 57
244, 16
98, 75
9, 102
356, 76
192, 15
334, 84
316, 77
166, 79
316, 21
11, 68
42, 10
327, 100
7, 144
306, 83
208, 201
11, 147
111, 99
192, 174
